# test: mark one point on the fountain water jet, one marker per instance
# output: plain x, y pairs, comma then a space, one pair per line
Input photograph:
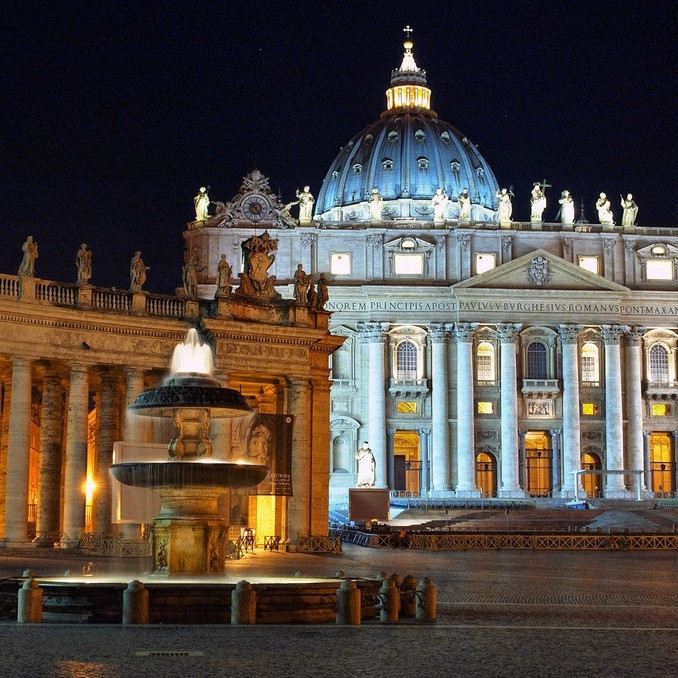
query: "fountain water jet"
189, 533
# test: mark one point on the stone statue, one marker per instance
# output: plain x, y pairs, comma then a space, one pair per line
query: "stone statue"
202, 203
301, 283
537, 203
258, 257
464, 205
322, 295
376, 203
30, 250
566, 212
630, 210
306, 201
439, 202
605, 215
137, 273
189, 274
83, 262
505, 209
224, 273
311, 296
366, 466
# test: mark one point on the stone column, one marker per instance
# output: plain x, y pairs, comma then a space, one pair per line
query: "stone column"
319, 401
134, 386
423, 443
440, 453
571, 414
75, 459
646, 457
614, 420
510, 487
5, 400
522, 458
299, 505
109, 432
374, 335
634, 402
555, 460
674, 435
16, 498
51, 454
466, 462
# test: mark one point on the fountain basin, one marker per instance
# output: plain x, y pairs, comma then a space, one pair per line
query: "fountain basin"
213, 474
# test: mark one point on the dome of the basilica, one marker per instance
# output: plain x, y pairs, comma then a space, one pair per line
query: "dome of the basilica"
403, 159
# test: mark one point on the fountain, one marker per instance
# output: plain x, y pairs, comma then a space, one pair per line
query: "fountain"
189, 533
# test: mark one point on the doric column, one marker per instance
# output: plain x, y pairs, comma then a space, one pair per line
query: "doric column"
319, 401
5, 400
571, 423
614, 420
75, 459
556, 481
16, 498
440, 453
299, 505
423, 442
51, 453
510, 487
634, 402
466, 476
374, 334
109, 432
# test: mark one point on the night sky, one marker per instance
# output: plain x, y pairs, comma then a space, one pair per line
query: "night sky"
115, 113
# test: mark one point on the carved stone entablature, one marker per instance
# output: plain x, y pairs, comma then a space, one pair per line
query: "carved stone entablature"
539, 407
634, 335
464, 331
508, 332
569, 334
485, 334
372, 332
538, 274
438, 333
613, 333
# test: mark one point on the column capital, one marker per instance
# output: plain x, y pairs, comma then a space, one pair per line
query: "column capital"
612, 333
372, 332
438, 333
555, 431
424, 431
508, 332
569, 333
634, 335
464, 331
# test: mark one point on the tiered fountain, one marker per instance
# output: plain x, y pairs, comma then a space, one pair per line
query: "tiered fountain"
189, 533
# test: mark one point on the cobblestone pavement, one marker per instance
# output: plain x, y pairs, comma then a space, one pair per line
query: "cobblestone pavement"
500, 613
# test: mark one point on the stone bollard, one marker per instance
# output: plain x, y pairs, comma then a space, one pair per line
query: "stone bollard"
426, 597
29, 608
243, 604
389, 601
408, 599
348, 603
135, 604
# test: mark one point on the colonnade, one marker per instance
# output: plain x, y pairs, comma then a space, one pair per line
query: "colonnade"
452, 468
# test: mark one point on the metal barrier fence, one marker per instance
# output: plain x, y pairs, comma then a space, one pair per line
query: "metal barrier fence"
114, 546
319, 544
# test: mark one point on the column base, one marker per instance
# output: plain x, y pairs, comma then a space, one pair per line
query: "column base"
619, 494
516, 493
467, 494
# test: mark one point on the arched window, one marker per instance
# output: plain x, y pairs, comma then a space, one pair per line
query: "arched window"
590, 369
659, 363
406, 360
485, 362
536, 361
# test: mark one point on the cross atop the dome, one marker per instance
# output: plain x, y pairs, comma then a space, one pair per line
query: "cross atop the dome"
408, 30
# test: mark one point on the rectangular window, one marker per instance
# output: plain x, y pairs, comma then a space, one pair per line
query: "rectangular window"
589, 368
484, 366
406, 407
659, 269
589, 263
660, 410
589, 409
408, 264
485, 262
485, 408
340, 263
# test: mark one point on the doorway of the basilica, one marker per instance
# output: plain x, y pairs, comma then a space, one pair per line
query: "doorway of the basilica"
593, 482
662, 464
538, 464
486, 474
406, 462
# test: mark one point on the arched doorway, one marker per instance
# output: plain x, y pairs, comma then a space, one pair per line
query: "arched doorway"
538, 463
406, 462
662, 464
486, 474
593, 482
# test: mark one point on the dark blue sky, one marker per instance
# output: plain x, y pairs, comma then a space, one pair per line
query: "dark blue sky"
116, 112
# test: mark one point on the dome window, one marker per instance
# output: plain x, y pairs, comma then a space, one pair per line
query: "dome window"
480, 172
445, 136
369, 139
357, 168
335, 174
419, 135
392, 135
422, 163
408, 244
387, 164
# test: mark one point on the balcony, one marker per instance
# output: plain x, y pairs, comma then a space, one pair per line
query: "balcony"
540, 388
408, 388
661, 390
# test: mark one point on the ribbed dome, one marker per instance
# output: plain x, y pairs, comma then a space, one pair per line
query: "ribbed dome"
407, 155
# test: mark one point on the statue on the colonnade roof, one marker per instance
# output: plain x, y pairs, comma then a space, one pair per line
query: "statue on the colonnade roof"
224, 273
630, 210
505, 209
566, 212
83, 262
376, 203
202, 203
605, 215
306, 201
464, 205
537, 202
30, 250
301, 283
439, 202
258, 257
137, 272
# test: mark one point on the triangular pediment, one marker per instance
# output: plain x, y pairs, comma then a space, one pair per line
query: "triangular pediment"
540, 270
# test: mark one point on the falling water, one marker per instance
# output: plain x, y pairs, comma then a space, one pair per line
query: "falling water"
192, 356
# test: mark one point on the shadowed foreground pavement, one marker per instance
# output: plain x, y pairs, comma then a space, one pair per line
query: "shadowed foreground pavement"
500, 613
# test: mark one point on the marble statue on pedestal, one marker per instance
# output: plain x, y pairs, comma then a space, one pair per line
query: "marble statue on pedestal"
201, 203
605, 215
630, 210
30, 250
83, 262
306, 201
366, 466
566, 212
376, 203
301, 283
439, 202
137, 273
322, 295
224, 273
537, 203
505, 208
464, 205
